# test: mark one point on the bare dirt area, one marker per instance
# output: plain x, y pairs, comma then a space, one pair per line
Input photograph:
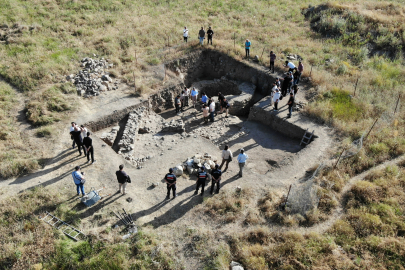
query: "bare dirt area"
148, 137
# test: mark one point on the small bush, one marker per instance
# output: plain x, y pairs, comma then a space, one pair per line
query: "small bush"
44, 132
366, 192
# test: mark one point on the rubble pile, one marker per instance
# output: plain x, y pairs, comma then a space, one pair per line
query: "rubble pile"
109, 137
173, 126
299, 105
192, 165
93, 78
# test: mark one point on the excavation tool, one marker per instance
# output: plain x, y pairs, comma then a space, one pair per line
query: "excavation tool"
59, 224
92, 197
127, 220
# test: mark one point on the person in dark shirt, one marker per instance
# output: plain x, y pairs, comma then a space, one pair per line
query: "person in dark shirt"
285, 85
225, 106
77, 137
88, 145
297, 76
216, 178
273, 57
210, 33
171, 180
201, 36
122, 178
177, 103
290, 104
201, 177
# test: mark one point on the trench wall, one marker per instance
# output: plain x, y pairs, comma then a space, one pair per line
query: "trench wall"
214, 65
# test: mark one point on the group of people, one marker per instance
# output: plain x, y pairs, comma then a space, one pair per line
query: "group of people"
208, 104
81, 137
201, 35
287, 85
203, 175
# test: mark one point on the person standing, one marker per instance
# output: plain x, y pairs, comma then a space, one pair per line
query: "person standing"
273, 57
226, 157
88, 145
212, 110
285, 85
206, 113
247, 47
201, 36
123, 178
216, 178
185, 34
295, 89
76, 133
278, 83
194, 95
78, 178
83, 132
276, 99
289, 65
225, 106
290, 104
204, 98
242, 157
187, 95
201, 177
72, 128
171, 180
300, 67
183, 100
177, 104
297, 76
210, 33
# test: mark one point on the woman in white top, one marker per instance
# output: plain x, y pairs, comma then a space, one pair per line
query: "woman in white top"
226, 157
185, 34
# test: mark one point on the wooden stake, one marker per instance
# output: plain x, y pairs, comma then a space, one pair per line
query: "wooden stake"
234, 40
288, 194
355, 87
337, 162
133, 73
136, 59
261, 57
165, 72
310, 72
370, 129
396, 106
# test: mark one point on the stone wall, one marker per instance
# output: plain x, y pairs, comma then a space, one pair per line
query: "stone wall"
164, 99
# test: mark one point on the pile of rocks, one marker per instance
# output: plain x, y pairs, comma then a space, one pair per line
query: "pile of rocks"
192, 165
93, 79
109, 137
173, 126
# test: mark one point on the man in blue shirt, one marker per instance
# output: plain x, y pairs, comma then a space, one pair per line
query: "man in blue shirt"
247, 47
194, 94
242, 157
79, 180
204, 98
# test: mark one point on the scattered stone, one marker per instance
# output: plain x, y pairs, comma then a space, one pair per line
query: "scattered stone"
256, 59
129, 199
236, 266
178, 170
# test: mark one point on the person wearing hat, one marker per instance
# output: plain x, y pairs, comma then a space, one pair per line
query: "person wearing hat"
201, 177
79, 180
247, 47
290, 104
273, 57
170, 180
242, 157
210, 33
216, 178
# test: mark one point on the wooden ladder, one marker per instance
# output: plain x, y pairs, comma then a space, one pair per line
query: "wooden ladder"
307, 136
68, 230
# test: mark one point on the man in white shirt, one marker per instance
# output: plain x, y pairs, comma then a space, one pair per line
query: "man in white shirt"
212, 111
187, 95
276, 99
242, 157
83, 132
226, 157
289, 65
185, 34
194, 94
72, 128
